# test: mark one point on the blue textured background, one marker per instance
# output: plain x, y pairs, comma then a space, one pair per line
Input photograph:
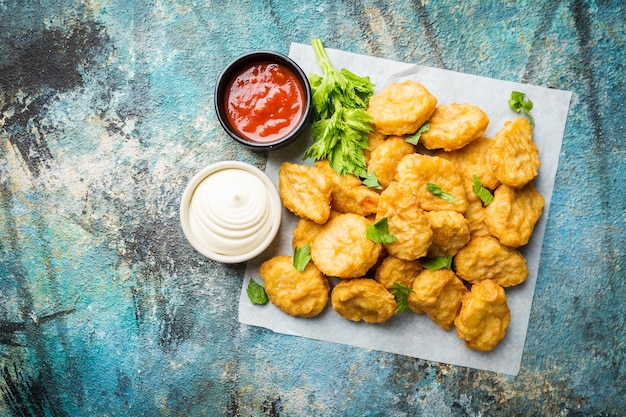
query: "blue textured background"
106, 112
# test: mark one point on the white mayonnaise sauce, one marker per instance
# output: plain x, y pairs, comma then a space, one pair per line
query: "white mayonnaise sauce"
230, 212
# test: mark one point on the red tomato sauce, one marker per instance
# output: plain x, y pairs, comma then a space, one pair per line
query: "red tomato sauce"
264, 102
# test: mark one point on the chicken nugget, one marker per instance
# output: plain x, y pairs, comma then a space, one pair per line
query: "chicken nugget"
513, 156
296, 293
406, 220
484, 316
306, 230
513, 213
486, 258
395, 270
401, 108
305, 191
472, 160
421, 171
438, 294
341, 249
349, 195
363, 299
452, 126
450, 232
374, 139
475, 213
386, 157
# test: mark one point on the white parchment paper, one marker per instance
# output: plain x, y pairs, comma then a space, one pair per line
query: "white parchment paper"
410, 334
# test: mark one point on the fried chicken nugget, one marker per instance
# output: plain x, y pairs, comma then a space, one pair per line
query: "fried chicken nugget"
486, 258
452, 126
306, 230
401, 108
475, 213
513, 213
341, 249
406, 220
450, 232
418, 170
513, 156
305, 191
438, 294
296, 293
472, 160
386, 157
374, 139
349, 195
395, 270
363, 299
484, 316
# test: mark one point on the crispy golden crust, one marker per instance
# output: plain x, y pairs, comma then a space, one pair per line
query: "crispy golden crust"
363, 299
401, 108
341, 249
406, 220
349, 195
450, 232
305, 191
303, 294
438, 294
386, 157
472, 160
513, 156
486, 258
417, 170
452, 126
484, 316
395, 270
513, 213
374, 139
306, 230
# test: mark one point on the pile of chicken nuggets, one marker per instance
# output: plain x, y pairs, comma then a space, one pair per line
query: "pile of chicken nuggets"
334, 213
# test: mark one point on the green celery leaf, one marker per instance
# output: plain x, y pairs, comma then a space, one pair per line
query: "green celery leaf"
401, 292
415, 137
379, 232
371, 181
483, 193
438, 263
256, 293
301, 257
438, 192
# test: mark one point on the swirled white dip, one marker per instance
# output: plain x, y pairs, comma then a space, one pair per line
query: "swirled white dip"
230, 212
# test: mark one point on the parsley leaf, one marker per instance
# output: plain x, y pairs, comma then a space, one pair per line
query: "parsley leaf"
301, 257
342, 124
415, 137
256, 293
438, 263
518, 103
438, 192
401, 292
483, 193
371, 181
379, 232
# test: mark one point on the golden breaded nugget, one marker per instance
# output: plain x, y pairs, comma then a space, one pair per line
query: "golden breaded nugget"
472, 160
450, 232
475, 213
392, 270
303, 294
486, 258
341, 249
401, 108
385, 158
363, 299
513, 213
418, 170
452, 126
349, 195
484, 316
406, 220
374, 139
305, 191
306, 230
513, 156
438, 294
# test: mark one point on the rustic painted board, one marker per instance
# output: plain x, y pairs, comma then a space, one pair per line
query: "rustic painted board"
106, 111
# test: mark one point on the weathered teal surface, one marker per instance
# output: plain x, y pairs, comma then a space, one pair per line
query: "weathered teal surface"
106, 112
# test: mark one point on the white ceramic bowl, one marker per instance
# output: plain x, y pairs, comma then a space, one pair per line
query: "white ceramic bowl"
230, 211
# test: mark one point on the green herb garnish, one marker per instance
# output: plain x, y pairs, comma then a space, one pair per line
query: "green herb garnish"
342, 124
401, 292
371, 181
301, 257
415, 137
518, 103
479, 189
379, 232
438, 192
256, 293
438, 263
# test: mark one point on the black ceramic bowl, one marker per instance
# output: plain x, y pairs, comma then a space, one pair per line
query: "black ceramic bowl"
298, 128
